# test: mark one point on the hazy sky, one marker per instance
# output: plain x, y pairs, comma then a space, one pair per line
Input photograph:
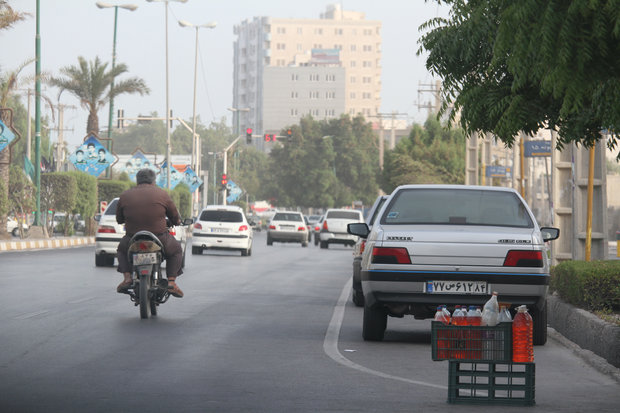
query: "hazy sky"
72, 28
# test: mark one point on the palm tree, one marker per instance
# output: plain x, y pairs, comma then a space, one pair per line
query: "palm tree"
90, 83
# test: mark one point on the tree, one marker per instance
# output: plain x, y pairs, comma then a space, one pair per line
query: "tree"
8, 16
58, 194
522, 66
90, 83
86, 198
21, 195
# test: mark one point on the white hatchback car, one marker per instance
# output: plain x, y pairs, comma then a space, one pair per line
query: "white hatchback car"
222, 227
109, 234
453, 245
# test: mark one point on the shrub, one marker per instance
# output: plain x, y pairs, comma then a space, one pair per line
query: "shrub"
110, 189
591, 285
182, 199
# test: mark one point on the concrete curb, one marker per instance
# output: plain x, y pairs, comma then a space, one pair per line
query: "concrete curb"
585, 329
24, 244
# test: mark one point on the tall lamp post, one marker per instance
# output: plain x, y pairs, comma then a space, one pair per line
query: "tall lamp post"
167, 94
195, 137
130, 7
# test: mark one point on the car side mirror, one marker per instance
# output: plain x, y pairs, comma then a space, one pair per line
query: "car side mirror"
188, 221
358, 228
550, 233
97, 217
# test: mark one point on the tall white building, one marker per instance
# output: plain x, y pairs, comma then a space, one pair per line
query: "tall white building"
285, 69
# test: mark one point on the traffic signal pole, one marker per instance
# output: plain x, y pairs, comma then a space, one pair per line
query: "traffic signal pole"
225, 166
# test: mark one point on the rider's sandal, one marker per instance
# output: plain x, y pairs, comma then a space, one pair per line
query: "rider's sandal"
123, 287
174, 290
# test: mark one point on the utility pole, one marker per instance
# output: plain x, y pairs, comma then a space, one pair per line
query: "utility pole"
60, 145
435, 90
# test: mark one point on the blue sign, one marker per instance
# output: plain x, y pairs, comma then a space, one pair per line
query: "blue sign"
135, 163
496, 171
191, 179
6, 136
537, 149
162, 176
92, 157
234, 192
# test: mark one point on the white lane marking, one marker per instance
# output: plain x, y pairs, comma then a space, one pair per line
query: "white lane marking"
330, 344
31, 315
81, 300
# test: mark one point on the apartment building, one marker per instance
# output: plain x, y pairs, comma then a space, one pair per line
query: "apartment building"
285, 69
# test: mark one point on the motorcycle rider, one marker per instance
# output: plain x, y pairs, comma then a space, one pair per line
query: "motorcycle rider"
145, 208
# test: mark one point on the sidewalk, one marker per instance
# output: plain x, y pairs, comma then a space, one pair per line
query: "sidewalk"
17, 244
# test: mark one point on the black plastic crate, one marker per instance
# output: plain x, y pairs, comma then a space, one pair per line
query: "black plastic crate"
471, 343
492, 383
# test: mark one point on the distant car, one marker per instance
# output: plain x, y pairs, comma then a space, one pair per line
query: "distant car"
255, 222
288, 226
312, 220
453, 245
109, 234
13, 227
334, 227
358, 248
222, 227
317, 230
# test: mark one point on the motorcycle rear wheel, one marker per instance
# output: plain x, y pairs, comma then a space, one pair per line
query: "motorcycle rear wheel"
145, 300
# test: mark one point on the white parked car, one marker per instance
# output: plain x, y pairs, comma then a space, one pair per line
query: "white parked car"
222, 227
453, 245
334, 227
109, 234
288, 226
12, 226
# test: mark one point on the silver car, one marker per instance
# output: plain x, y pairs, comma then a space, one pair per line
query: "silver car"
450, 244
288, 226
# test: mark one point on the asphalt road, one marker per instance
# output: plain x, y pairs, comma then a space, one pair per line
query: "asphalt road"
274, 332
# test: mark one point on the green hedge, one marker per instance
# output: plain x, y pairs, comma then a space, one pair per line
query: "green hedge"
591, 285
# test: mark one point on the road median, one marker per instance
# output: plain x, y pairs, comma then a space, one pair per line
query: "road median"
30, 244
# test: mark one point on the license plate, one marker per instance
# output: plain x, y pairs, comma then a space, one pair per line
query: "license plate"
456, 287
147, 258
219, 229
287, 226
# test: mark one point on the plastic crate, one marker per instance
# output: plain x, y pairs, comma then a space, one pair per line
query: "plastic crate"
471, 343
491, 383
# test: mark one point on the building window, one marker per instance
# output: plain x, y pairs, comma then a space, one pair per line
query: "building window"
300, 30
352, 111
352, 95
294, 95
367, 79
366, 95
281, 30
367, 32
338, 46
352, 79
367, 63
317, 46
367, 48
294, 77
353, 63
299, 47
294, 112
330, 78
318, 31
281, 46
353, 48
338, 32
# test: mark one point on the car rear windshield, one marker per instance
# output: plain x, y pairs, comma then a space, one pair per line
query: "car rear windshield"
456, 207
343, 215
111, 210
284, 216
221, 216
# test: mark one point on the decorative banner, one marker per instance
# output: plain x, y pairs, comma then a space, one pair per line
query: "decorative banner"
496, 171
92, 157
136, 162
162, 180
537, 149
190, 178
6, 136
234, 192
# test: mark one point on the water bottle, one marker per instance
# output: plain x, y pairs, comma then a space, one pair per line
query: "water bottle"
522, 337
458, 317
441, 316
446, 313
473, 318
490, 313
504, 315
457, 342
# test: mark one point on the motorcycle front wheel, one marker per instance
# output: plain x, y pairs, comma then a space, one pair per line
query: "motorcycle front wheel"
145, 300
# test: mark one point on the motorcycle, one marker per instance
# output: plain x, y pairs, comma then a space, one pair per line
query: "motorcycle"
149, 288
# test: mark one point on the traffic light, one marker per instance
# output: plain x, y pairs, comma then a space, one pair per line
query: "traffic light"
224, 181
248, 136
289, 133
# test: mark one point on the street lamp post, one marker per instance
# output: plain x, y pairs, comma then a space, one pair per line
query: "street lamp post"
235, 112
195, 137
168, 160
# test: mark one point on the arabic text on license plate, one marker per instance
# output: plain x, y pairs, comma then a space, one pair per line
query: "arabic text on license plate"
142, 259
456, 287
219, 230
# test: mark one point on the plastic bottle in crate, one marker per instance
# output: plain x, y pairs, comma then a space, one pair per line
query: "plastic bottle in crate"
490, 313
457, 342
446, 313
522, 337
504, 315
473, 336
442, 334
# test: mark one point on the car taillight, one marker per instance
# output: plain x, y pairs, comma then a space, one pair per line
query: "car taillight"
106, 229
523, 258
197, 225
272, 227
325, 225
301, 228
317, 228
362, 245
243, 228
384, 255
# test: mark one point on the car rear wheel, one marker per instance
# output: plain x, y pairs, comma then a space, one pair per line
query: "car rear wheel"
357, 297
375, 323
99, 260
196, 251
269, 240
324, 244
316, 240
540, 326
15, 232
304, 244
109, 260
